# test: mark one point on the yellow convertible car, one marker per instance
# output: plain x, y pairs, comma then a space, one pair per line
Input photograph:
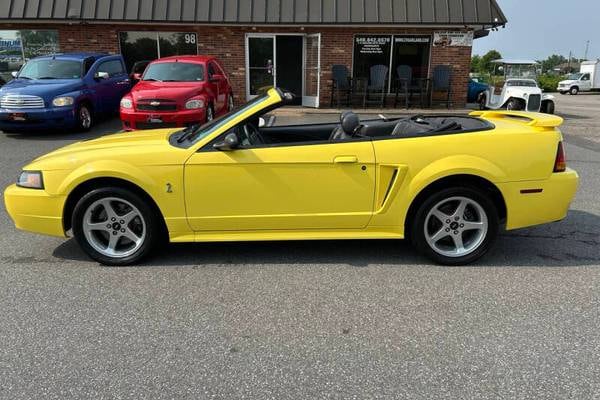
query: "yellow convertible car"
448, 183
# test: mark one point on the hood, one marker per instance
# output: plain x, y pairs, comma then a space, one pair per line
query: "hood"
176, 91
567, 82
41, 87
149, 147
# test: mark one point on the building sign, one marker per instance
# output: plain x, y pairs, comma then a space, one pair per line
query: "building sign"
411, 39
372, 44
16, 47
450, 39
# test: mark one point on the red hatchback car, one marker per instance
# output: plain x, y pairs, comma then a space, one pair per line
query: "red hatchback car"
177, 91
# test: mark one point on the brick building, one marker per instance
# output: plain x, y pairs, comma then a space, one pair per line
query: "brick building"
288, 43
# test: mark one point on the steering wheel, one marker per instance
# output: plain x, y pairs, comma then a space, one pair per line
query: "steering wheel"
253, 134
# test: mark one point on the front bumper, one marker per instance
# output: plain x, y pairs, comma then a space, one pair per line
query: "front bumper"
133, 120
37, 119
35, 210
549, 205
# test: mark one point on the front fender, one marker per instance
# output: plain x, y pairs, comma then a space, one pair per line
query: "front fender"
546, 97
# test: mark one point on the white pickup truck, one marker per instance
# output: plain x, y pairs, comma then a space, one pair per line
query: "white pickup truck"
586, 80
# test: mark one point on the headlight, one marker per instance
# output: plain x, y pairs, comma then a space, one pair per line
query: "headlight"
194, 104
126, 102
62, 101
31, 179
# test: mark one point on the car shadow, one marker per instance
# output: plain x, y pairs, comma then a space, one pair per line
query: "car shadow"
103, 127
572, 242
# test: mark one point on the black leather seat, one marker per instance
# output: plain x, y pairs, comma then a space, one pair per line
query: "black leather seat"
348, 128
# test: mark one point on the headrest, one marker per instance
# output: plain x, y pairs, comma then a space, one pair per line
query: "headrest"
350, 122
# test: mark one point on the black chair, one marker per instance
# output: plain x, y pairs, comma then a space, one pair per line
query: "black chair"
377, 85
403, 84
341, 85
441, 82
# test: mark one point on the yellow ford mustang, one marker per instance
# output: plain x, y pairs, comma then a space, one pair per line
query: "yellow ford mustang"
449, 183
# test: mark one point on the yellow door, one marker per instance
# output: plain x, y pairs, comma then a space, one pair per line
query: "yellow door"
324, 186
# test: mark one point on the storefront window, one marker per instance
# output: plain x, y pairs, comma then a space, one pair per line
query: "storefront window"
16, 47
141, 46
391, 51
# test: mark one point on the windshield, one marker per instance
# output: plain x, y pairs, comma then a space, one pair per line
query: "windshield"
211, 126
575, 77
51, 69
520, 71
521, 83
174, 72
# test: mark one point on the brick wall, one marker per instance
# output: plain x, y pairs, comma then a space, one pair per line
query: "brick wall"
228, 44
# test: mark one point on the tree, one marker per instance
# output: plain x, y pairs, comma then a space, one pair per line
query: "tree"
552, 62
475, 63
486, 65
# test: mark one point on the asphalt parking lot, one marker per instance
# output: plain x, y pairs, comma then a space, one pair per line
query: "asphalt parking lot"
335, 319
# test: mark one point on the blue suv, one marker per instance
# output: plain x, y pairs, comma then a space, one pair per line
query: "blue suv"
63, 91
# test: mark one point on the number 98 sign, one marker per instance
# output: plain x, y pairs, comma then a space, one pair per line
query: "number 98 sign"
190, 38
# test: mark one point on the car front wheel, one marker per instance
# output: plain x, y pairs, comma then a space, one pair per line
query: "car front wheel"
115, 226
210, 114
574, 91
230, 103
455, 226
85, 119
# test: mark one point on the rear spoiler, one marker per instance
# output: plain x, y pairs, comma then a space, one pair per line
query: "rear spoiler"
537, 120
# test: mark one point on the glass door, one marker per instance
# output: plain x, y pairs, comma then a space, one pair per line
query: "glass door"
312, 70
261, 64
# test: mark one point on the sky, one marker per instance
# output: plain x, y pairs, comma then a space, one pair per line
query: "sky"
539, 28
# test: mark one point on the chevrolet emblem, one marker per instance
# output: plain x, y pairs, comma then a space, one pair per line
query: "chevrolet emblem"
155, 103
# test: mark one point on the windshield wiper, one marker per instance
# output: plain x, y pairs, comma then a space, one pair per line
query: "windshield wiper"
47, 77
152, 80
187, 132
23, 77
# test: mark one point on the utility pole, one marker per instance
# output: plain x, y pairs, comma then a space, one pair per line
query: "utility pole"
569, 64
587, 49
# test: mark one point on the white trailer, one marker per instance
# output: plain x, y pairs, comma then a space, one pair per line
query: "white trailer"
586, 80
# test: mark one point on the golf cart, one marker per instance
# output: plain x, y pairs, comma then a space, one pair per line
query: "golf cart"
519, 91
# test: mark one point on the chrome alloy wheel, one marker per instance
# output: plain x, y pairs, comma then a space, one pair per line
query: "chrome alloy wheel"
85, 117
209, 114
114, 227
456, 226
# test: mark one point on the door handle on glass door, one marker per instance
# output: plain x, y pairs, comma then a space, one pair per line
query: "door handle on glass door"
345, 160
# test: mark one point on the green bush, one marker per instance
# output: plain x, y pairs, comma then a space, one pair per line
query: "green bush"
548, 82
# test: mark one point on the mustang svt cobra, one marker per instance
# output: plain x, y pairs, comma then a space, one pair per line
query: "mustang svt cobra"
448, 183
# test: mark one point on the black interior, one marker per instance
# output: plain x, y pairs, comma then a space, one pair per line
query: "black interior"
351, 128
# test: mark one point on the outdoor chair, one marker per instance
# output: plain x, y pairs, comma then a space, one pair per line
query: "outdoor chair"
341, 85
377, 85
441, 83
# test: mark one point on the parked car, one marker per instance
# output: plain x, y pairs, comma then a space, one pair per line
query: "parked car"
586, 80
475, 89
520, 90
446, 182
63, 91
138, 70
177, 91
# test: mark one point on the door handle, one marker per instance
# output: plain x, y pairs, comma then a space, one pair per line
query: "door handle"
345, 160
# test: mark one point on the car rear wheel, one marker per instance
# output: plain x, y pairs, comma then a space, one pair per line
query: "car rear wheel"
455, 226
85, 119
114, 226
230, 103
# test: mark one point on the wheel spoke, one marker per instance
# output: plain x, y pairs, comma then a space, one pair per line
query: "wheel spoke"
128, 217
110, 211
460, 210
439, 235
129, 234
473, 226
458, 243
112, 243
440, 215
96, 226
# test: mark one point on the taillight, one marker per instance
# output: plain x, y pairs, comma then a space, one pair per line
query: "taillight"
560, 164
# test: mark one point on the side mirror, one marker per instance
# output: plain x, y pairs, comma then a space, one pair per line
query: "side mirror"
216, 78
101, 75
261, 122
230, 142
14, 74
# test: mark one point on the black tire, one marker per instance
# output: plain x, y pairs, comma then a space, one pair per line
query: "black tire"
548, 107
210, 113
152, 238
84, 111
514, 105
230, 103
574, 91
482, 100
417, 231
